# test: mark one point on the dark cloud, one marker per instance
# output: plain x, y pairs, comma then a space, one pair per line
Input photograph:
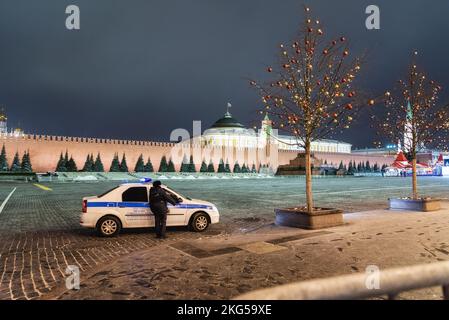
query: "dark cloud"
139, 68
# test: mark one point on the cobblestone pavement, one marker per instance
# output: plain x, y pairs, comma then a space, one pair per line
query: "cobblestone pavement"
224, 267
40, 236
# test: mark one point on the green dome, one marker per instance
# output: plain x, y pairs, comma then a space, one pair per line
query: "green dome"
227, 122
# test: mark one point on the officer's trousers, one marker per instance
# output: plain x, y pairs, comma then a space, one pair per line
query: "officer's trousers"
160, 224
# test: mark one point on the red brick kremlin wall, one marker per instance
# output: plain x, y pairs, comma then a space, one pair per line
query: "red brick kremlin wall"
45, 151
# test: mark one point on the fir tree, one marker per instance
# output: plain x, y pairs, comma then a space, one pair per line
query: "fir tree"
61, 166
115, 164
227, 168
16, 167
98, 164
3, 161
221, 167
350, 168
203, 166
149, 166
171, 166
237, 168
88, 164
71, 165
245, 168
210, 167
26, 163
123, 164
66, 158
184, 165
376, 167
367, 166
340, 167
192, 165
163, 165
253, 168
140, 166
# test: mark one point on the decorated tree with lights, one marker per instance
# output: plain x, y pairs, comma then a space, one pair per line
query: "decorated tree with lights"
413, 117
312, 92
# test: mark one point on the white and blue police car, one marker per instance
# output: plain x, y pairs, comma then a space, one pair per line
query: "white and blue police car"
126, 206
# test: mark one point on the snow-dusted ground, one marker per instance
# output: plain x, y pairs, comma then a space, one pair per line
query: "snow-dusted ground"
257, 198
50, 220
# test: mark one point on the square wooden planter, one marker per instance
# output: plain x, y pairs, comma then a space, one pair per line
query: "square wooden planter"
423, 204
298, 218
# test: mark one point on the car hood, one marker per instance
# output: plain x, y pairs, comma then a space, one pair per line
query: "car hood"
90, 198
198, 201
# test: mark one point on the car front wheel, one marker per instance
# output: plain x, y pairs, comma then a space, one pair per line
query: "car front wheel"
109, 226
199, 222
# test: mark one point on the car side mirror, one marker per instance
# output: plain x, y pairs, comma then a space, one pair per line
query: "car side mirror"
180, 200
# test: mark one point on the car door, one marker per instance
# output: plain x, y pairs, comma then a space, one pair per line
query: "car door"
176, 214
135, 208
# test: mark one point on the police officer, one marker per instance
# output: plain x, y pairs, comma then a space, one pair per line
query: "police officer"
158, 205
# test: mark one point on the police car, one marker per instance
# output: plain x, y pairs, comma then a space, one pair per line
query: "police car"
126, 206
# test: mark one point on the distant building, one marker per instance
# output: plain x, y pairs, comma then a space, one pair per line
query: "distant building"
227, 140
227, 131
3, 122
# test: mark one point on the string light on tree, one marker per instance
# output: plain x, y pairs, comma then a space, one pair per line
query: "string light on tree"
313, 91
413, 116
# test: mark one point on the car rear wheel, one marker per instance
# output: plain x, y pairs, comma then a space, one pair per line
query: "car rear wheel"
109, 226
199, 222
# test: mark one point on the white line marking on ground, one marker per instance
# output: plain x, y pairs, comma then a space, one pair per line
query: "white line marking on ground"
6, 200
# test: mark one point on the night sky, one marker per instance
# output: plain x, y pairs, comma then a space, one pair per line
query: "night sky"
139, 68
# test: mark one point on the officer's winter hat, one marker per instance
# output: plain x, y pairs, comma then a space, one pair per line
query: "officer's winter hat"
157, 183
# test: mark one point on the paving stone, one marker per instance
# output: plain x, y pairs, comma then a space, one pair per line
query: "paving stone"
262, 247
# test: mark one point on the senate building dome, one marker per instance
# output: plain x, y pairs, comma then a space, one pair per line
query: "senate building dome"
227, 122
228, 131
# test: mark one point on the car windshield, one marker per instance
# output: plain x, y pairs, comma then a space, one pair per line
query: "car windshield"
171, 192
105, 193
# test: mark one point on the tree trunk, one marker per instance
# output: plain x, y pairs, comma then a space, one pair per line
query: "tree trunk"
309, 195
414, 180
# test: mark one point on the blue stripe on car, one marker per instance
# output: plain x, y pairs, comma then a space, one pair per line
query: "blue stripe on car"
142, 205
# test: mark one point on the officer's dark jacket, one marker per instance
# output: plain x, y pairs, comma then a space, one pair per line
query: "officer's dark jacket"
159, 199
